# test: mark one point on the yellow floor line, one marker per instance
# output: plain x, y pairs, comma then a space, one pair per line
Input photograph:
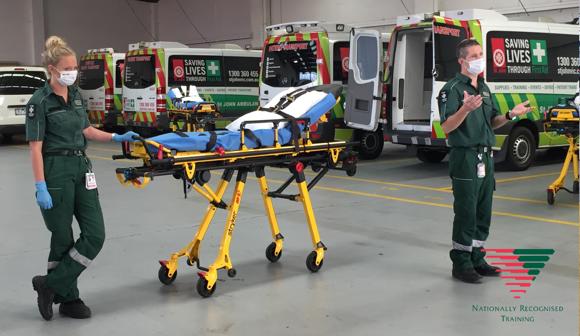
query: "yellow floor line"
442, 205
446, 189
526, 177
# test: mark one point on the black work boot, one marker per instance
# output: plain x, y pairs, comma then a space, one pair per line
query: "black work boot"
75, 309
45, 296
468, 275
487, 270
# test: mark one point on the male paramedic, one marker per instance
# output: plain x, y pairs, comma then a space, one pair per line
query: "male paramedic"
469, 115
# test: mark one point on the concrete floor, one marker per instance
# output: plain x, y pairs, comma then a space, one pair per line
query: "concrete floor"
386, 270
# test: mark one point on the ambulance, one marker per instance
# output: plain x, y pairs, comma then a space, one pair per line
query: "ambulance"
17, 84
101, 86
227, 77
524, 61
304, 54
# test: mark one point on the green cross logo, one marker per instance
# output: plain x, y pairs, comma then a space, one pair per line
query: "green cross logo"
213, 68
539, 52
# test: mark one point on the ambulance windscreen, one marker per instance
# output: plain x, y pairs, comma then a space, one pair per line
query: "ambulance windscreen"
139, 71
91, 74
289, 64
21, 82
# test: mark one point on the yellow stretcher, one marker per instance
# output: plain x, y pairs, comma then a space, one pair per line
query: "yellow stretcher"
202, 117
564, 120
194, 168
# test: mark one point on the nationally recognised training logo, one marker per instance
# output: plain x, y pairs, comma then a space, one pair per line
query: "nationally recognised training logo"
519, 267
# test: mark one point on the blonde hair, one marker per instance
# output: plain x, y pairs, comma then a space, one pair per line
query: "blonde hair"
54, 49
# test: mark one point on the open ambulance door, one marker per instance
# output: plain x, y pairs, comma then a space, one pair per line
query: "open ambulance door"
363, 98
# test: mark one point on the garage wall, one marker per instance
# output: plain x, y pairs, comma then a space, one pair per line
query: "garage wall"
86, 24
18, 28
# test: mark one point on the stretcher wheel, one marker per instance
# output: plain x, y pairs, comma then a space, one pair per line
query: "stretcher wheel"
575, 187
232, 272
311, 262
351, 171
140, 183
164, 276
550, 196
271, 253
202, 288
122, 179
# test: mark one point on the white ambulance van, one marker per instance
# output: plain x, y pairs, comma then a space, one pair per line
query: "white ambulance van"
17, 84
532, 61
228, 77
101, 86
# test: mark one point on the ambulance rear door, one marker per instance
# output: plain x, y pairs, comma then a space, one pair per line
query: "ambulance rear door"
362, 108
92, 82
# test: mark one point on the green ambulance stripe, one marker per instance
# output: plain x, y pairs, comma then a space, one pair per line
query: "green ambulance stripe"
118, 99
508, 101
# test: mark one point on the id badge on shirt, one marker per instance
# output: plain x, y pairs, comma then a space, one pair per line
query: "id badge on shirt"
90, 181
481, 170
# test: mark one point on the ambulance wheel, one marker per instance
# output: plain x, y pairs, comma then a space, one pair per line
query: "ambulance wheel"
430, 155
6, 138
551, 197
575, 187
164, 276
311, 262
371, 144
202, 288
271, 253
521, 149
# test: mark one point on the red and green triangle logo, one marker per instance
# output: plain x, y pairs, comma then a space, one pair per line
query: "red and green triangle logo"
519, 267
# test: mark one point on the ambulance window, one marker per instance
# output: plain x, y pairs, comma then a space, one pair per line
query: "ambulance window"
139, 71
91, 74
21, 82
289, 64
118, 71
340, 62
366, 55
446, 40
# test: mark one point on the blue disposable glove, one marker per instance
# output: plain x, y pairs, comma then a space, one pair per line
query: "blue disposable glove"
42, 196
124, 137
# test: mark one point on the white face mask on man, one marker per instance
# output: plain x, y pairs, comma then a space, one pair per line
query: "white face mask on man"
476, 66
67, 78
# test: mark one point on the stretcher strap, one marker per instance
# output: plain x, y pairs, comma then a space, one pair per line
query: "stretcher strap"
294, 129
212, 141
285, 101
252, 136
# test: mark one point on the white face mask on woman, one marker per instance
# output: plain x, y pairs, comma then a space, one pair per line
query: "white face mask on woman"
67, 78
476, 66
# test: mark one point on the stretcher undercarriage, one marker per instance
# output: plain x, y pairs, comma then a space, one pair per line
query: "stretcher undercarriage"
194, 169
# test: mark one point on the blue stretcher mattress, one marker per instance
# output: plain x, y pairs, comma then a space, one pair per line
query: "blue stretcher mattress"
230, 140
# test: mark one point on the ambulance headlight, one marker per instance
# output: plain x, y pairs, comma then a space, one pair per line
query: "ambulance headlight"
340, 27
289, 29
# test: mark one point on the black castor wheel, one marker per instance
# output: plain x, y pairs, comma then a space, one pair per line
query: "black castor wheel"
271, 253
164, 275
202, 288
311, 262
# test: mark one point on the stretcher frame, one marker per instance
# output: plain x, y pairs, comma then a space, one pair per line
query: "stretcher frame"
564, 121
194, 169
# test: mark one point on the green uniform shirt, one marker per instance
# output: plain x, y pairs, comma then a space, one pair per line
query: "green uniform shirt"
476, 129
58, 124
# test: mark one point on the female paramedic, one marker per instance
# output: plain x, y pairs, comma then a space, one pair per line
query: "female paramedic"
57, 127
